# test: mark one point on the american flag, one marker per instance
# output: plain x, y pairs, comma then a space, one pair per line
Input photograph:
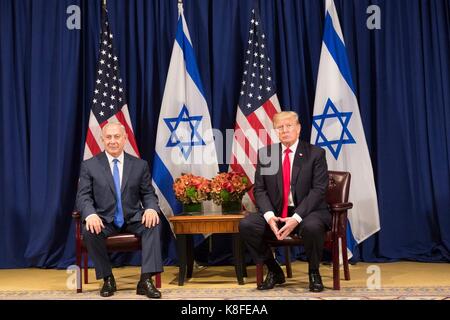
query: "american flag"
258, 103
109, 101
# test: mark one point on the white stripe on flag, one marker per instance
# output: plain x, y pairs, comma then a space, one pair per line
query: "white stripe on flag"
184, 141
267, 123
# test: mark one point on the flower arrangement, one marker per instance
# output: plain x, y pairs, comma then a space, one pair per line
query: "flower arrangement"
229, 186
192, 189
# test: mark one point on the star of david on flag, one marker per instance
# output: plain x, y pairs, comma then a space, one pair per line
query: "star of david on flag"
333, 134
337, 127
187, 136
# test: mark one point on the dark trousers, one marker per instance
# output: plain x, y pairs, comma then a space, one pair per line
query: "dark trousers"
151, 248
255, 232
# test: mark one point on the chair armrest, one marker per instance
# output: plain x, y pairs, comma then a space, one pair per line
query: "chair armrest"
76, 215
339, 207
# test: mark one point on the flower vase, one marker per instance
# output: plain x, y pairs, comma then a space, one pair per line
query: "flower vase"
231, 207
192, 208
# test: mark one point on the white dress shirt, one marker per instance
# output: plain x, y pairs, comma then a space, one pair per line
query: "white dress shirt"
269, 214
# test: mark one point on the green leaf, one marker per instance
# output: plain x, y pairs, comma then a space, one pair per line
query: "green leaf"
225, 195
191, 192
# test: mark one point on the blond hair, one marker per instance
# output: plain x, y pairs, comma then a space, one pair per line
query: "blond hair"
285, 114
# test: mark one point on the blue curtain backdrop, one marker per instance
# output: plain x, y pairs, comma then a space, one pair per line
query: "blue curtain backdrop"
47, 73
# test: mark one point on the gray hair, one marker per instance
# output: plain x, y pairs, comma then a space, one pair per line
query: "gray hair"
110, 124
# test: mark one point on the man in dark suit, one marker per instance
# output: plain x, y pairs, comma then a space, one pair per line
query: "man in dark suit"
115, 195
291, 180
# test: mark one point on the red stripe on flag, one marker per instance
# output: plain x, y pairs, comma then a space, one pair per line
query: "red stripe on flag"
269, 108
245, 144
92, 143
120, 116
259, 128
238, 168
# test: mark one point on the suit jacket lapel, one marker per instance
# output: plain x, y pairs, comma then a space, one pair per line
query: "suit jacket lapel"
127, 165
107, 171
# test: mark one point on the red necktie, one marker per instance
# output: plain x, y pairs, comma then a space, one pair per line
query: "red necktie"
286, 182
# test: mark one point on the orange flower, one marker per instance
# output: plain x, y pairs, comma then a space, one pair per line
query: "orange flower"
192, 189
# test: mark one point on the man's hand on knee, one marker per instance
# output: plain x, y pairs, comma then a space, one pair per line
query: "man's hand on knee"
94, 224
150, 218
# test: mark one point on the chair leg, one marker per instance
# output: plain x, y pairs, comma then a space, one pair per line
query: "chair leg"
335, 257
259, 273
287, 257
345, 258
158, 280
86, 270
79, 271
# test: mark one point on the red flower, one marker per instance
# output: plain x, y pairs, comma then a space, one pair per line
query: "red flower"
229, 186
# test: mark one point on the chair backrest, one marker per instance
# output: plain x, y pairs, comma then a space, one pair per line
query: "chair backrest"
338, 186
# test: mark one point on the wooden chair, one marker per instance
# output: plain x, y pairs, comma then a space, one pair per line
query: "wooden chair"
124, 242
337, 199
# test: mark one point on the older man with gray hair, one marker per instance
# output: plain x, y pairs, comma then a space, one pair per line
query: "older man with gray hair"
115, 195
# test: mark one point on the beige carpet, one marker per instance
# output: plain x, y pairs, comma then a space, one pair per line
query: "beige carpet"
402, 280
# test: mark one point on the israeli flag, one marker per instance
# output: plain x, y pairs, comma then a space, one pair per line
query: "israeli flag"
184, 140
337, 128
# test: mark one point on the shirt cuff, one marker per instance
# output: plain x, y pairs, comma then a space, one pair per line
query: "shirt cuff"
297, 217
268, 215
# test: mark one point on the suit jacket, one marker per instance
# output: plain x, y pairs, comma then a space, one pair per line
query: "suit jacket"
96, 191
309, 181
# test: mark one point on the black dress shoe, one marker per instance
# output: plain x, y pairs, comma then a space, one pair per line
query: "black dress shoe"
315, 282
271, 280
146, 287
109, 287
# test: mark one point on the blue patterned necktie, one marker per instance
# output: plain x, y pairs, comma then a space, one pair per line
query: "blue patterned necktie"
118, 216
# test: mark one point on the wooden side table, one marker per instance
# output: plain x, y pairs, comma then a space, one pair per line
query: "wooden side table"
185, 226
